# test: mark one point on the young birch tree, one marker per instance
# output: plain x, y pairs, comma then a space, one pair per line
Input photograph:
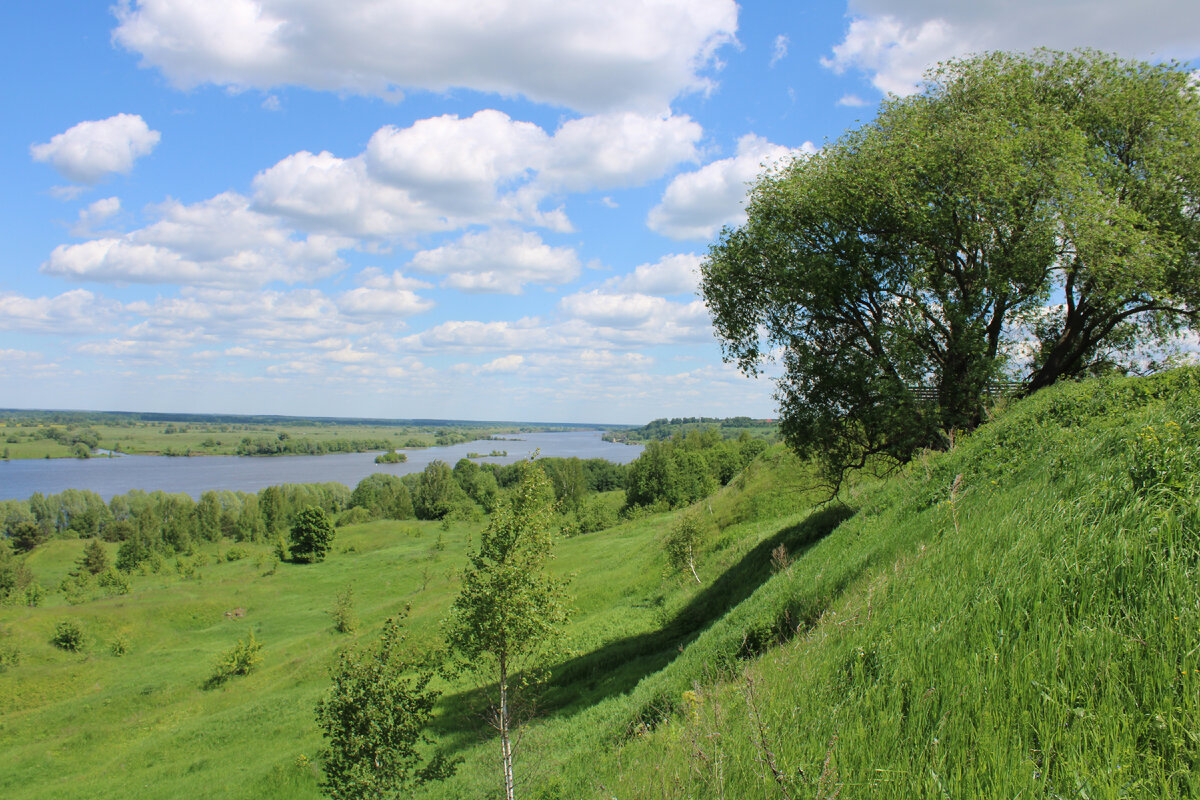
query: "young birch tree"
510, 611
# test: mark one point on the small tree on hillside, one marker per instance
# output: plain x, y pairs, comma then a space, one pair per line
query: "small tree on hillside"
94, 560
682, 542
374, 718
311, 535
510, 610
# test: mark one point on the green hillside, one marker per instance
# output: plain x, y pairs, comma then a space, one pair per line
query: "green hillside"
1019, 616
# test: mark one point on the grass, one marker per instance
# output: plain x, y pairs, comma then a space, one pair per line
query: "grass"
1017, 617
206, 438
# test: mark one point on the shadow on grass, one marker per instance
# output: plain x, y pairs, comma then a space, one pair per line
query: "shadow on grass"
618, 666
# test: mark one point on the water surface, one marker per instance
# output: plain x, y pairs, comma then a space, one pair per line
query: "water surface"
193, 475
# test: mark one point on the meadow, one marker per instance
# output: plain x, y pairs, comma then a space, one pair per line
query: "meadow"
43, 434
1017, 616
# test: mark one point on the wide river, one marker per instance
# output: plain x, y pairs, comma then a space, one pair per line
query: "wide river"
193, 475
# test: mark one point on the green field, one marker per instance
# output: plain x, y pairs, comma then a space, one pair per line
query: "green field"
52, 435
1017, 617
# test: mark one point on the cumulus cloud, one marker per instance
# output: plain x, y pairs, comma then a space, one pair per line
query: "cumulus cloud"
75, 312
498, 260
447, 172
621, 54
95, 214
385, 296
217, 242
678, 273
92, 150
631, 310
618, 150
894, 41
697, 204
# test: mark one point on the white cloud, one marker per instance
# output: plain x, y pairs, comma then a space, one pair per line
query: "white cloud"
851, 100
475, 336
697, 204
620, 54
894, 41
217, 242
894, 54
447, 172
89, 151
75, 312
457, 164
498, 260
509, 363
779, 49
385, 296
618, 150
628, 311
95, 214
678, 273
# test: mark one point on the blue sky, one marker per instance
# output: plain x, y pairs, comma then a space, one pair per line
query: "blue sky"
471, 210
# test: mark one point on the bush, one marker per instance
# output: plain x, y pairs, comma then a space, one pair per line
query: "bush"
344, 619
68, 635
114, 582
119, 646
242, 659
236, 554
355, 515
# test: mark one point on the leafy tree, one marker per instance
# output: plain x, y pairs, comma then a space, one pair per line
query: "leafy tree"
208, 516
374, 718
312, 534
510, 610
683, 541
1046, 202
437, 492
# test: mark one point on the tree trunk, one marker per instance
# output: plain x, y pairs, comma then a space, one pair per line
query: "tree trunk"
503, 724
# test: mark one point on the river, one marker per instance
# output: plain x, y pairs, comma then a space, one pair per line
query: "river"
193, 475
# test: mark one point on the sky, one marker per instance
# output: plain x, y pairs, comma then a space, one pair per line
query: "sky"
457, 210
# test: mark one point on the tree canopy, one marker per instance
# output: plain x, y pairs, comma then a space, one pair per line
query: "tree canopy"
1028, 218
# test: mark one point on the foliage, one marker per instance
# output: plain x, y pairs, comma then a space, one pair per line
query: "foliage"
94, 560
682, 543
510, 610
681, 470
311, 535
14, 572
342, 613
917, 251
391, 457
436, 492
68, 635
374, 718
241, 659
382, 495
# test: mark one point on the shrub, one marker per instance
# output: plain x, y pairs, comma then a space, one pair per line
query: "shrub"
344, 619
114, 582
236, 554
242, 659
119, 645
68, 635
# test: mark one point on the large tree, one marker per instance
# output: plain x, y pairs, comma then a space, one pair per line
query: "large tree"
1031, 217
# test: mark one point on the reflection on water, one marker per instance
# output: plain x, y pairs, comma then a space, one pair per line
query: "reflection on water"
112, 476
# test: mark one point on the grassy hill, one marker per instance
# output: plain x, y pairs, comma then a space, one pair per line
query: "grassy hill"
1019, 616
